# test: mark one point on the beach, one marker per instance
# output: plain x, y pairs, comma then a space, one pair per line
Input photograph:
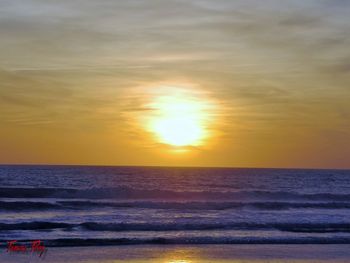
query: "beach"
188, 254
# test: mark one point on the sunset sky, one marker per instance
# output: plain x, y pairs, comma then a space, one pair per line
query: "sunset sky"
176, 83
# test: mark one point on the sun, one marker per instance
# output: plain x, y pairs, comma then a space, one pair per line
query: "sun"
178, 131
179, 118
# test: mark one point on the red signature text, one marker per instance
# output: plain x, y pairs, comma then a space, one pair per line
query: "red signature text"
37, 246
13, 247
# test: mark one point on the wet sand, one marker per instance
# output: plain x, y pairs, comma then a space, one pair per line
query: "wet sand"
188, 254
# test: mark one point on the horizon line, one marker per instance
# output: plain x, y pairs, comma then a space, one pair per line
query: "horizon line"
171, 166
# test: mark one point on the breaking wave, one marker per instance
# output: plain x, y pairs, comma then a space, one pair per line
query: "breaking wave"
191, 205
119, 227
133, 193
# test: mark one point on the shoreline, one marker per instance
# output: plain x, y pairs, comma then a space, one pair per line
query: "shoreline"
160, 242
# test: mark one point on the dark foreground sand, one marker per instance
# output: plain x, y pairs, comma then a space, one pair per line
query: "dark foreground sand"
188, 254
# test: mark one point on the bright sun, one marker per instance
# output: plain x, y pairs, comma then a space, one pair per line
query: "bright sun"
178, 118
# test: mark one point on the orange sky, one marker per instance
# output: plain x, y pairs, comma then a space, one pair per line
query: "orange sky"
259, 83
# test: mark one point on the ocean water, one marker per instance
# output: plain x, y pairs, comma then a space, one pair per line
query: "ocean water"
83, 205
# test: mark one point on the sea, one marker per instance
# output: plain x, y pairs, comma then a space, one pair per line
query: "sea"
96, 205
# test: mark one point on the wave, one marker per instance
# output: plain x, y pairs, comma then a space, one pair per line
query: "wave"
15, 192
120, 227
133, 193
191, 205
287, 227
24, 205
33, 226
71, 242
196, 205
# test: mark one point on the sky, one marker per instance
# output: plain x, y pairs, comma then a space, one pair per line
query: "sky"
259, 83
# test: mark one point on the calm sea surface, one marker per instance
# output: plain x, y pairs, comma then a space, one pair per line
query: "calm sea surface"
81, 205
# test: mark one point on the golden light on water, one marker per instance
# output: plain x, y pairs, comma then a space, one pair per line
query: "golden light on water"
179, 118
